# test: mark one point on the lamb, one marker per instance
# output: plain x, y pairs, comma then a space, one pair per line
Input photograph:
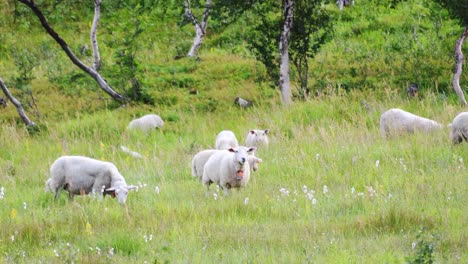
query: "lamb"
200, 159
146, 123
228, 169
459, 128
83, 175
226, 139
396, 121
257, 138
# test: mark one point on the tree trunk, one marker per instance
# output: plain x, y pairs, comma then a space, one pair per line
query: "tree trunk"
17, 104
285, 84
93, 73
458, 67
94, 43
200, 28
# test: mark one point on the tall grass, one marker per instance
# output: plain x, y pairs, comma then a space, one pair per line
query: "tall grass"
330, 189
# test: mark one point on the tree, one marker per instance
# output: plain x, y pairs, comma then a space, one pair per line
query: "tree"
269, 31
17, 104
89, 70
200, 27
459, 9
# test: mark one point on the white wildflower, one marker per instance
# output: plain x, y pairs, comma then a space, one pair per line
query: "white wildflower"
56, 253
246, 200
25, 205
2, 192
413, 245
156, 190
317, 156
98, 251
314, 201
304, 189
377, 163
110, 253
284, 191
353, 190
325, 189
215, 196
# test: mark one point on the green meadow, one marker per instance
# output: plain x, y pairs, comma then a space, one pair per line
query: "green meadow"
330, 189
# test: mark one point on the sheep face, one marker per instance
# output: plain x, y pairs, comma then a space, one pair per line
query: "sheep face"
241, 156
257, 137
121, 192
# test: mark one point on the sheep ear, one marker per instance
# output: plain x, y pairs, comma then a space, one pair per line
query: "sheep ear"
251, 149
259, 160
267, 131
111, 189
252, 132
231, 150
131, 187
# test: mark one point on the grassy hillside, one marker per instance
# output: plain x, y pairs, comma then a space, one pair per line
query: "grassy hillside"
329, 190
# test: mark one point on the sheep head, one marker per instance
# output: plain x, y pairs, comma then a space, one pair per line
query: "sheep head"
241, 156
121, 192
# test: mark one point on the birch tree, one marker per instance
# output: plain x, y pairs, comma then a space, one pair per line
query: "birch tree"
89, 70
284, 78
93, 35
200, 27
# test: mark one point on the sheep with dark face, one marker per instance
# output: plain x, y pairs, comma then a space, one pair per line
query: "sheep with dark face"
228, 169
82, 175
459, 128
396, 122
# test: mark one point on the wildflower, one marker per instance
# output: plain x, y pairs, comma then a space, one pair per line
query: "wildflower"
377, 163
156, 190
13, 213
353, 190
371, 191
110, 253
284, 192
12, 238
317, 156
25, 205
2, 192
88, 229
325, 189
98, 251
304, 189
246, 200
413, 245
215, 196
56, 253
314, 201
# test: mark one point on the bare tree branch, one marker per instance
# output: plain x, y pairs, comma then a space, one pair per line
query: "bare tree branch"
94, 43
17, 104
458, 67
93, 73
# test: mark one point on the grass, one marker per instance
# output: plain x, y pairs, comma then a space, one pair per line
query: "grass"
379, 194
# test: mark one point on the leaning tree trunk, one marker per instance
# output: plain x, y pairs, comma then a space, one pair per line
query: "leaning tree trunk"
458, 67
200, 28
94, 43
285, 83
92, 72
17, 104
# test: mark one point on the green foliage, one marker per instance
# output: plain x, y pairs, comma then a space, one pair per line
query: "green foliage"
424, 248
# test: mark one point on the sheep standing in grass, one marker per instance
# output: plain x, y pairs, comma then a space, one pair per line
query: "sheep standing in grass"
146, 123
228, 169
200, 159
459, 128
226, 139
257, 138
83, 175
396, 121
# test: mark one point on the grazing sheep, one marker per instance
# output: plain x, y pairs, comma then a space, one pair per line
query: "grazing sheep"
242, 102
257, 138
82, 175
226, 139
146, 123
396, 121
459, 128
200, 159
228, 169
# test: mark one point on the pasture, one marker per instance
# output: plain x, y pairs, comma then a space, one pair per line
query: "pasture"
329, 190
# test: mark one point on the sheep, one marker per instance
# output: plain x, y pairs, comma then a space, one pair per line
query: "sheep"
83, 175
228, 169
146, 123
257, 138
226, 139
459, 128
396, 121
200, 159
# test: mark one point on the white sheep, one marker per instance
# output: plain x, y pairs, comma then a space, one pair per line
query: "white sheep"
228, 169
83, 175
146, 123
200, 159
396, 121
257, 138
459, 128
226, 139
